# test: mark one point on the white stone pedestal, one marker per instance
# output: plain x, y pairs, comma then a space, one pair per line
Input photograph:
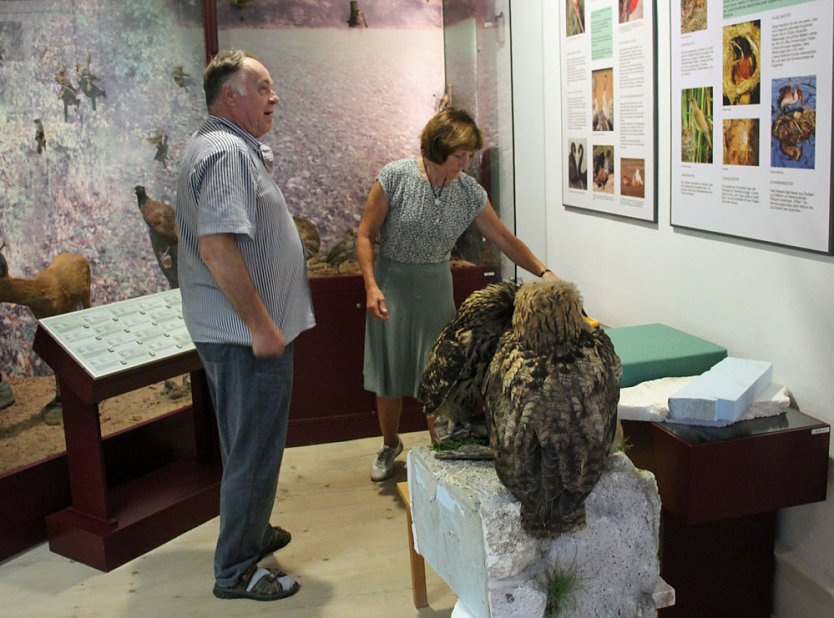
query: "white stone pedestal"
467, 528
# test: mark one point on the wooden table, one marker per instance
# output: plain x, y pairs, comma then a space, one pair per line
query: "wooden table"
416, 562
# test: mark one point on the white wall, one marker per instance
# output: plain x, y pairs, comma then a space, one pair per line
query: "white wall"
759, 301
528, 127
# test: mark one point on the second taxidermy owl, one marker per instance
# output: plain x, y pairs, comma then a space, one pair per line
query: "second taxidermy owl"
454, 374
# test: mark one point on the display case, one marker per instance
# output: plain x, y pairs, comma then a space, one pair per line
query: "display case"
352, 99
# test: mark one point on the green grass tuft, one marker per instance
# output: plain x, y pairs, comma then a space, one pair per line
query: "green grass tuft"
560, 587
450, 445
622, 445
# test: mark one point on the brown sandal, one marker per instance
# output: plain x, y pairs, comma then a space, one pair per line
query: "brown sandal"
280, 538
259, 584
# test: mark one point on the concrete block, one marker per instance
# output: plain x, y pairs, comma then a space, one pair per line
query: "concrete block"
467, 528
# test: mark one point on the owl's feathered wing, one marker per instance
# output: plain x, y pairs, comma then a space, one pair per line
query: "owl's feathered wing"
551, 404
453, 379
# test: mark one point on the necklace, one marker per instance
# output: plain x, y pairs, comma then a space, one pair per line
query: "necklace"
437, 194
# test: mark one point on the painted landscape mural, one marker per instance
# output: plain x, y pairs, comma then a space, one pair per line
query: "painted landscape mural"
98, 98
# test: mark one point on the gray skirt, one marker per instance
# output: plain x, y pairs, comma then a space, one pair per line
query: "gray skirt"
420, 303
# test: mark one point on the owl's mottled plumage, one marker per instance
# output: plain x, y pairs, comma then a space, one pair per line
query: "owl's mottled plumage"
454, 374
550, 398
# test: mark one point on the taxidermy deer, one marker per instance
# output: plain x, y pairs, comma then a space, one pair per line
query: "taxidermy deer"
61, 287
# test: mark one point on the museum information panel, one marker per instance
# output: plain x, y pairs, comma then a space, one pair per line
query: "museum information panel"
123, 335
608, 106
751, 157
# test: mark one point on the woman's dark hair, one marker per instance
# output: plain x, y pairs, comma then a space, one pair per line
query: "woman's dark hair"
447, 131
223, 66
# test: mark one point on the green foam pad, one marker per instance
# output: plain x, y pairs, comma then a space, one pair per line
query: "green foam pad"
652, 351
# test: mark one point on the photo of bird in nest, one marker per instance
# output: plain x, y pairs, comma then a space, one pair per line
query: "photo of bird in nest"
742, 63
794, 122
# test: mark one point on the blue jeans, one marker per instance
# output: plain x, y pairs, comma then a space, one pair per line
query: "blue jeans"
252, 399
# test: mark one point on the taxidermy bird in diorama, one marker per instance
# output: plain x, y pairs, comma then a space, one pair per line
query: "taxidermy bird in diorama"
87, 82
68, 93
181, 78
162, 229
454, 375
40, 135
343, 250
160, 140
550, 398
161, 220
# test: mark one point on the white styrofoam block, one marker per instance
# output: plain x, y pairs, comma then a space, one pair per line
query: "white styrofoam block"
649, 400
508, 549
723, 392
460, 611
517, 598
775, 399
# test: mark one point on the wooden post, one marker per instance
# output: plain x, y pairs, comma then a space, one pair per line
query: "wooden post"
418, 565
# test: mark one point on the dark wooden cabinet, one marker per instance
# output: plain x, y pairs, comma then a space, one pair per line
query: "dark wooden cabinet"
329, 402
720, 489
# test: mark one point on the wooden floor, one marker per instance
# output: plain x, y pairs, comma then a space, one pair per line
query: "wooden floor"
349, 552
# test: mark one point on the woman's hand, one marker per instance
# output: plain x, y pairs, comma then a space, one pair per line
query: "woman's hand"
375, 303
376, 210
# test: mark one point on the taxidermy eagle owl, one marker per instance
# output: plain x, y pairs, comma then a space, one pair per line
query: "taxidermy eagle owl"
550, 397
455, 370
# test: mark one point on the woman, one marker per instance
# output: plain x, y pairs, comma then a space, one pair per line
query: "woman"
417, 209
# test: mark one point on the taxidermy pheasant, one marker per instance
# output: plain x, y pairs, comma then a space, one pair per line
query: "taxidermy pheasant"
162, 229
550, 398
159, 216
454, 374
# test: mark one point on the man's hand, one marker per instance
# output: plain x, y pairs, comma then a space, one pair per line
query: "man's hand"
269, 343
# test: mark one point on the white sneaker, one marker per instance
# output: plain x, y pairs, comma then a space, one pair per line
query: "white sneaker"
384, 463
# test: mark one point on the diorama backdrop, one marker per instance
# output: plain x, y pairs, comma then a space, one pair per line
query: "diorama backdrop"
352, 99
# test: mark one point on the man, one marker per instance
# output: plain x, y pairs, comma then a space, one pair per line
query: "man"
245, 297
